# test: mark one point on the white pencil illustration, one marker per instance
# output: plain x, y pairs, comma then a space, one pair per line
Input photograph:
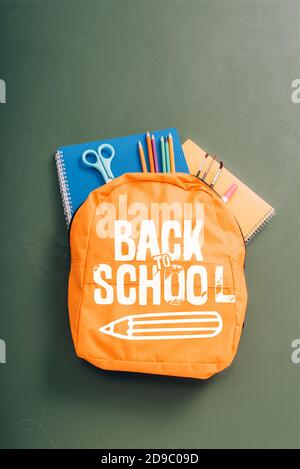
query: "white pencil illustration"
162, 326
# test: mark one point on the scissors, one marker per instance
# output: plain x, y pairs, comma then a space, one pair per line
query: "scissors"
102, 163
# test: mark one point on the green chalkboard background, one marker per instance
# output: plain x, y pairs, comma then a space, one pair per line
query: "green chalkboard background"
220, 72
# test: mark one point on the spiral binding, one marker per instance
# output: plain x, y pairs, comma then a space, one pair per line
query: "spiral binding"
259, 226
64, 186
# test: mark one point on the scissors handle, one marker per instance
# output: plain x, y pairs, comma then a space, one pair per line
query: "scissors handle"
97, 164
106, 161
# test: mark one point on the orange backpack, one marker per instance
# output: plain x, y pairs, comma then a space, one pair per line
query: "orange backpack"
157, 279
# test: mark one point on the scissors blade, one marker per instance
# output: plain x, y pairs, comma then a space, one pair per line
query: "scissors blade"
108, 169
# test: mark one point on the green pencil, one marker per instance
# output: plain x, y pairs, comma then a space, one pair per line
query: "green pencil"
167, 155
163, 155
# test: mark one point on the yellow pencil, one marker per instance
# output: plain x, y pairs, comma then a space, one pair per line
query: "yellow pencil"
172, 159
142, 157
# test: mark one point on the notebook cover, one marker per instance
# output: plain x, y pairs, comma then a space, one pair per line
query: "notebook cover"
77, 181
250, 210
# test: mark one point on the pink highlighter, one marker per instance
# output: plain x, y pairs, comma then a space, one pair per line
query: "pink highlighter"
229, 193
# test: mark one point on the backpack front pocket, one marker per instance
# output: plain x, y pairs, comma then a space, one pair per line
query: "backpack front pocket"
185, 316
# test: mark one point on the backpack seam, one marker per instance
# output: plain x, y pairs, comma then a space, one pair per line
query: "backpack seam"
82, 285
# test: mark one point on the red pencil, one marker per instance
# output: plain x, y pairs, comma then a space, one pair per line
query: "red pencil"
150, 154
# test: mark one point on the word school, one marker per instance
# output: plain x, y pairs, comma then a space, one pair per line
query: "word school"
139, 293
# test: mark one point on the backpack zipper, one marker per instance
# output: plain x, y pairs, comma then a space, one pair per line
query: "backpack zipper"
220, 197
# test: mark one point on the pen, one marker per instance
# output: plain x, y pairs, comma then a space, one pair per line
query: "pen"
213, 182
209, 168
201, 166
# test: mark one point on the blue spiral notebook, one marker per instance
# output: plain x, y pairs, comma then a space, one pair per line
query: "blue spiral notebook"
76, 181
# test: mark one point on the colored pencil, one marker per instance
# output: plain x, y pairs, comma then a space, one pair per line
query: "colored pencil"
163, 155
155, 157
167, 156
172, 159
150, 154
142, 157
162, 326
